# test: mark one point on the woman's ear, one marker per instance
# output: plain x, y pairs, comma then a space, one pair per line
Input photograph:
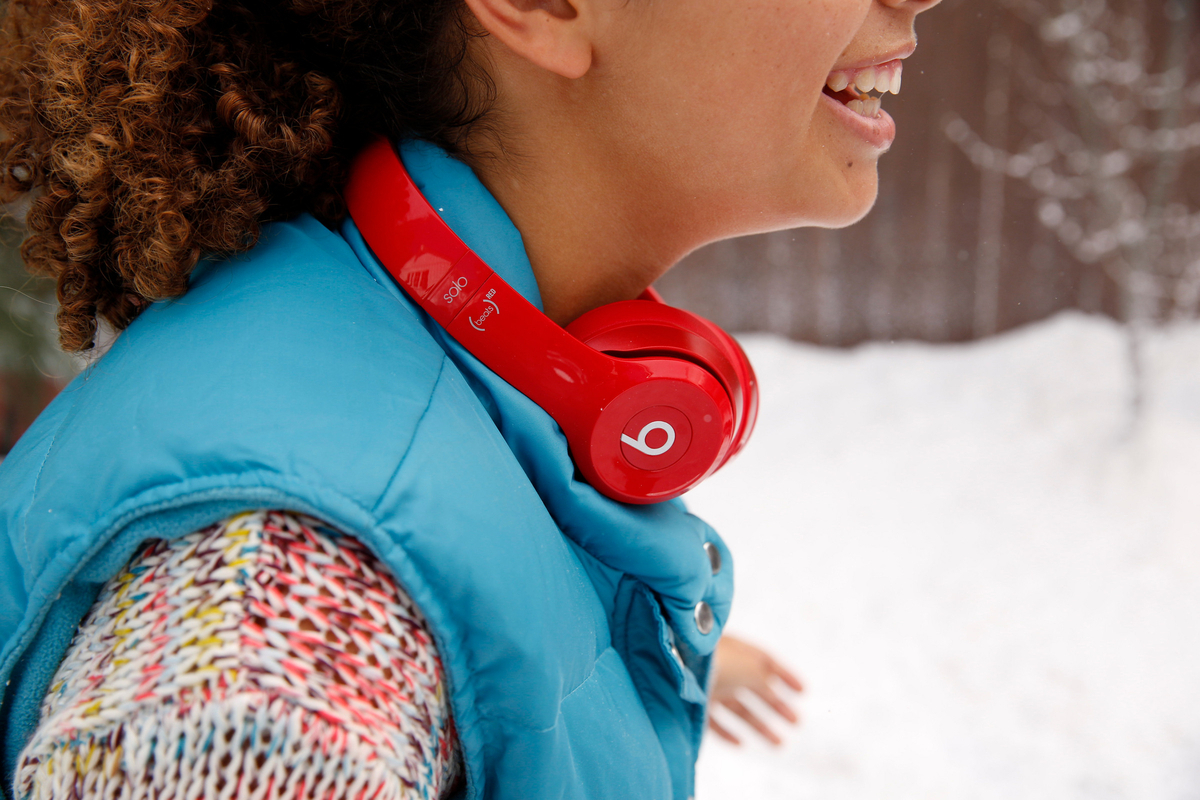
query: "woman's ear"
552, 34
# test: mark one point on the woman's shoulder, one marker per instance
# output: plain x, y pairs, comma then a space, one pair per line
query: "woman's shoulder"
289, 366
292, 343
300, 296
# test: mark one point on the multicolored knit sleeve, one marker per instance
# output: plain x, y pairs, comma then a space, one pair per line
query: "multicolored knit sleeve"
267, 657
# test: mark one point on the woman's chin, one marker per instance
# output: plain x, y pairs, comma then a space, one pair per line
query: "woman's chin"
856, 198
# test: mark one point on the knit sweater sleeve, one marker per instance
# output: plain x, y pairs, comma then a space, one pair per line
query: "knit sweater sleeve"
268, 656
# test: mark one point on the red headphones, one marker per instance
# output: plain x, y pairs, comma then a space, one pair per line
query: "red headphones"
652, 399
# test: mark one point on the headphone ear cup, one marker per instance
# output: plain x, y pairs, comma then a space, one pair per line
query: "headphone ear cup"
651, 329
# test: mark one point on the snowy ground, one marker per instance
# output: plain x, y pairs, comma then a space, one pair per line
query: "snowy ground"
991, 588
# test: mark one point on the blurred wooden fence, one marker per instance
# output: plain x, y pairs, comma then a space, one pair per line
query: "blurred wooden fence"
22, 397
32, 370
950, 252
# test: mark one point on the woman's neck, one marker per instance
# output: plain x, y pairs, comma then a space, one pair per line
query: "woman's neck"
588, 241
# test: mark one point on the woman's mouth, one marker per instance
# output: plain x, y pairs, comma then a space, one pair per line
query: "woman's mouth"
852, 87
848, 91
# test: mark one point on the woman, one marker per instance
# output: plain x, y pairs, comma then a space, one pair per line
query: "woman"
444, 605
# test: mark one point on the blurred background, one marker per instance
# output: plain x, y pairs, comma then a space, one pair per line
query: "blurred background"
975, 526
32, 368
1044, 161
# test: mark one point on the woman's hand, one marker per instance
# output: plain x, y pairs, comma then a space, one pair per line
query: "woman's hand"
742, 665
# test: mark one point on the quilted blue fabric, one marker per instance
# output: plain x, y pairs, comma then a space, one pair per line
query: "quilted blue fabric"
556, 610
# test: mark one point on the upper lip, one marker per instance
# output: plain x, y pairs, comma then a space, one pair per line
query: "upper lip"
900, 53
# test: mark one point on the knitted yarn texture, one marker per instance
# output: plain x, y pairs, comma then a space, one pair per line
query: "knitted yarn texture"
269, 657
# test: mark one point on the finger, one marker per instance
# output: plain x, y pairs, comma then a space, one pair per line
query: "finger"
785, 675
723, 732
776, 703
737, 707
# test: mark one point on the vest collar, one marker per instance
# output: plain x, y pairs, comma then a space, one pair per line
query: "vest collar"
660, 544
471, 212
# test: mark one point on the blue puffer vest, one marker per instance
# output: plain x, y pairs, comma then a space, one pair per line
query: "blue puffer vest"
298, 376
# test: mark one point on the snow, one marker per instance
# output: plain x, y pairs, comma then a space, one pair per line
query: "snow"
988, 578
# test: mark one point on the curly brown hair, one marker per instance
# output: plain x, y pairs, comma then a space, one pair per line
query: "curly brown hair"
147, 134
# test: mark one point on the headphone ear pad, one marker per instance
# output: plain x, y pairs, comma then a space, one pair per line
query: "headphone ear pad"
650, 329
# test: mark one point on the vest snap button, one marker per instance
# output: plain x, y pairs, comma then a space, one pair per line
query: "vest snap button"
714, 557
704, 618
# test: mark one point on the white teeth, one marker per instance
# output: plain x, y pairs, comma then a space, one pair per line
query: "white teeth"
838, 81
865, 80
879, 79
868, 107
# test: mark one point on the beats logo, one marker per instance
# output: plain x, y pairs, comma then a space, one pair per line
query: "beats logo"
642, 446
656, 437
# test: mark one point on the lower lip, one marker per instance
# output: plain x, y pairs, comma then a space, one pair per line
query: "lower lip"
879, 132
